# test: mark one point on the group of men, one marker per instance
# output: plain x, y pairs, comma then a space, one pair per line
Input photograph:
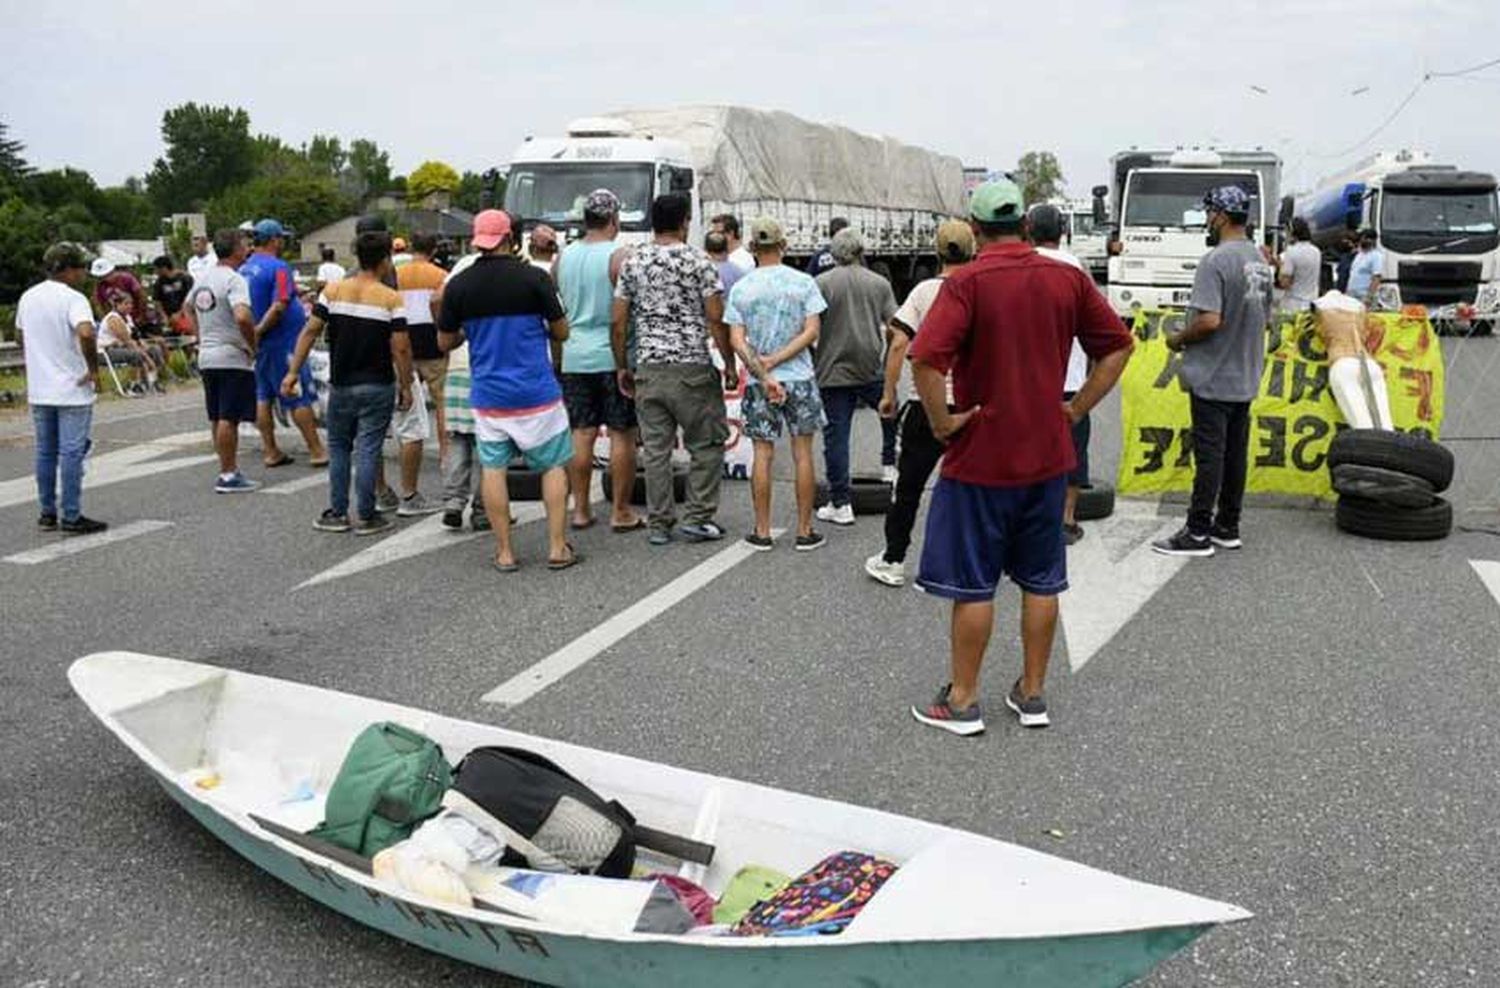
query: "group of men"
1009, 347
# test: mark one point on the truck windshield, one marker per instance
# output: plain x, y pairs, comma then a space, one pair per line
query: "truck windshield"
1175, 199
554, 193
1439, 213
1083, 224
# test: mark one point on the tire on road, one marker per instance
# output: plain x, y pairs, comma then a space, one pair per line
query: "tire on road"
1095, 501
1374, 520
867, 495
1398, 451
1392, 487
638, 488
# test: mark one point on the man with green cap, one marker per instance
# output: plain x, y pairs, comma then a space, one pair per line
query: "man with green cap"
1003, 325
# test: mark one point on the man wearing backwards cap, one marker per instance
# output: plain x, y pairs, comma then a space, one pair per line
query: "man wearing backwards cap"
279, 318
509, 313
1223, 352
1004, 325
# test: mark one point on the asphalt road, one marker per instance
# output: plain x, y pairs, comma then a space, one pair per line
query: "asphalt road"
1307, 728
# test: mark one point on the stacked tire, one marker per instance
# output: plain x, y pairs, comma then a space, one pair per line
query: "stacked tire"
1389, 485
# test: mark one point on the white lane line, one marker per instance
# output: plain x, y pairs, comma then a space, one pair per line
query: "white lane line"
576, 653
300, 484
1489, 574
101, 472
72, 546
1112, 574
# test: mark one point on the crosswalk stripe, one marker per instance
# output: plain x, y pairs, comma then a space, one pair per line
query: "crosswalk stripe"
1489, 575
72, 546
300, 484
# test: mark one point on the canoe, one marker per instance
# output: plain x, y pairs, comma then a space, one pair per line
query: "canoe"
961, 908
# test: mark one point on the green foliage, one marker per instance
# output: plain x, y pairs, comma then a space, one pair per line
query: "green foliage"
429, 177
368, 171
209, 149
25, 232
13, 166
1040, 176
300, 201
326, 155
470, 192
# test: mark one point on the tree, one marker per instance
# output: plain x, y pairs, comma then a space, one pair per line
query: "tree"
326, 155
430, 177
209, 149
368, 170
13, 166
1039, 175
302, 202
25, 232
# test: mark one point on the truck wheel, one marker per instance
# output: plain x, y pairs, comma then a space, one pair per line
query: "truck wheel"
1398, 451
1400, 490
1095, 501
1374, 520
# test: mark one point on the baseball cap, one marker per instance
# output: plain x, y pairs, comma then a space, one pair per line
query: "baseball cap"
101, 267
268, 229
370, 223
601, 203
63, 256
490, 227
1227, 199
955, 241
766, 232
997, 201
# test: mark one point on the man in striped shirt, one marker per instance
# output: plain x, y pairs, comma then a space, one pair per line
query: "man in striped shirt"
370, 377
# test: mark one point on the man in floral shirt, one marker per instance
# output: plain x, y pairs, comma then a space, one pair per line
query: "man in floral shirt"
669, 293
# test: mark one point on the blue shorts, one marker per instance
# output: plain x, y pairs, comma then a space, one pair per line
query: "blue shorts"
802, 412
229, 394
975, 534
271, 363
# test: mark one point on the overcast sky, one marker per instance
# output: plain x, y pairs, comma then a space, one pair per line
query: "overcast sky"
85, 83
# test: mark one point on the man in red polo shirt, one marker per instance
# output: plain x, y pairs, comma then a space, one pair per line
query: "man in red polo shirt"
1004, 325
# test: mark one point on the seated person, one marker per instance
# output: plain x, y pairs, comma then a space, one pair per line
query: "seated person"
117, 336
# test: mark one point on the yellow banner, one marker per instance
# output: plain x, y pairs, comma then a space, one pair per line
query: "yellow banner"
1292, 420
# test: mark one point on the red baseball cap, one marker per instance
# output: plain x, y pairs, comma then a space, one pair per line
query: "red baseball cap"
491, 227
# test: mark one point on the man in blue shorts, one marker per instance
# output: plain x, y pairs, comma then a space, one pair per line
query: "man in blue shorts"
773, 318
1004, 325
510, 314
279, 318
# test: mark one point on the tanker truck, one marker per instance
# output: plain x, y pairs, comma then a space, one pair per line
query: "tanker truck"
1439, 227
750, 163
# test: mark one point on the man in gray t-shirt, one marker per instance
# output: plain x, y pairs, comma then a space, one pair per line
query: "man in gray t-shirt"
219, 304
1223, 349
850, 364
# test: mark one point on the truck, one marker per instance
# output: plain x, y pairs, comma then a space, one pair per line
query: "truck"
1087, 236
1159, 231
1438, 225
748, 162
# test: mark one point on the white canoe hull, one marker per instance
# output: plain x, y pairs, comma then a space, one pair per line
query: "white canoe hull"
141, 698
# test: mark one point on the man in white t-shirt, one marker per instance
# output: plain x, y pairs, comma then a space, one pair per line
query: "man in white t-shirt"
729, 225
202, 258
920, 450
1301, 265
1047, 225
330, 272
62, 374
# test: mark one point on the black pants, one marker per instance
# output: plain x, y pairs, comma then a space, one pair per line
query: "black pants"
920, 453
1221, 460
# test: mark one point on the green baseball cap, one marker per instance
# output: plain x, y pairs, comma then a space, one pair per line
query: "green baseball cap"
997, 201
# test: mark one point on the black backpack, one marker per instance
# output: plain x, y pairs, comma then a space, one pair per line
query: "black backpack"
552, 822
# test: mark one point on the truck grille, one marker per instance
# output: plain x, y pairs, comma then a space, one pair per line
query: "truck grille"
1438, 282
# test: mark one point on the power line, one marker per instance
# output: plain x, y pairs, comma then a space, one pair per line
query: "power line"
1463, 72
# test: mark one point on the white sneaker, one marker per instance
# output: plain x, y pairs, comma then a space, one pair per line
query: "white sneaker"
837, 516
891, 574
888, 474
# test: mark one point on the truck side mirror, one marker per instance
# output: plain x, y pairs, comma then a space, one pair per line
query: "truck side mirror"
682, 180
1100, 211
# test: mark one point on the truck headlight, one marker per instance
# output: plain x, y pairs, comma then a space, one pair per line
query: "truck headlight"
1488, 298
1388, 298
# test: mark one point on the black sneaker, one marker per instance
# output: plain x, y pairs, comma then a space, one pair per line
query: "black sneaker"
1226, 537
374, 525
331, 521
453, 521
1032, 710
1185, 543
82, 526
760, 543
809, 542
47, 523
1072, 533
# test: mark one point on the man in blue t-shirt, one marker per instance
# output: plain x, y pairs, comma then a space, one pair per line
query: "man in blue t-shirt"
773, 318
1364, 270
279, 318
509, 313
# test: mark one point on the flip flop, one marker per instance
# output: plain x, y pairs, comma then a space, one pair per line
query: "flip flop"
634, 526
280, 463
578, 528
315, 464
504, 567
559, 564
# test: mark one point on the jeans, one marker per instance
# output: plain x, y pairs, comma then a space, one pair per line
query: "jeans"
460, 478
689, 397
1221, 463
920, 453
358, 417
62, 441
839, 404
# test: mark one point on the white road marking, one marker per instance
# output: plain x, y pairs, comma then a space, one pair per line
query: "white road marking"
319, 479
1112, 573
72, 545
423, 536
100, 472
578, 652
1489, 575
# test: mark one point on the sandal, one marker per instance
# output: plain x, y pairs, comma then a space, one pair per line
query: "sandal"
560, 564
575, 526
504, 567
285, 459
634, 526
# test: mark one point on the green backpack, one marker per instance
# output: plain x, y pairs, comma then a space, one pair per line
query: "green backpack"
392, 779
